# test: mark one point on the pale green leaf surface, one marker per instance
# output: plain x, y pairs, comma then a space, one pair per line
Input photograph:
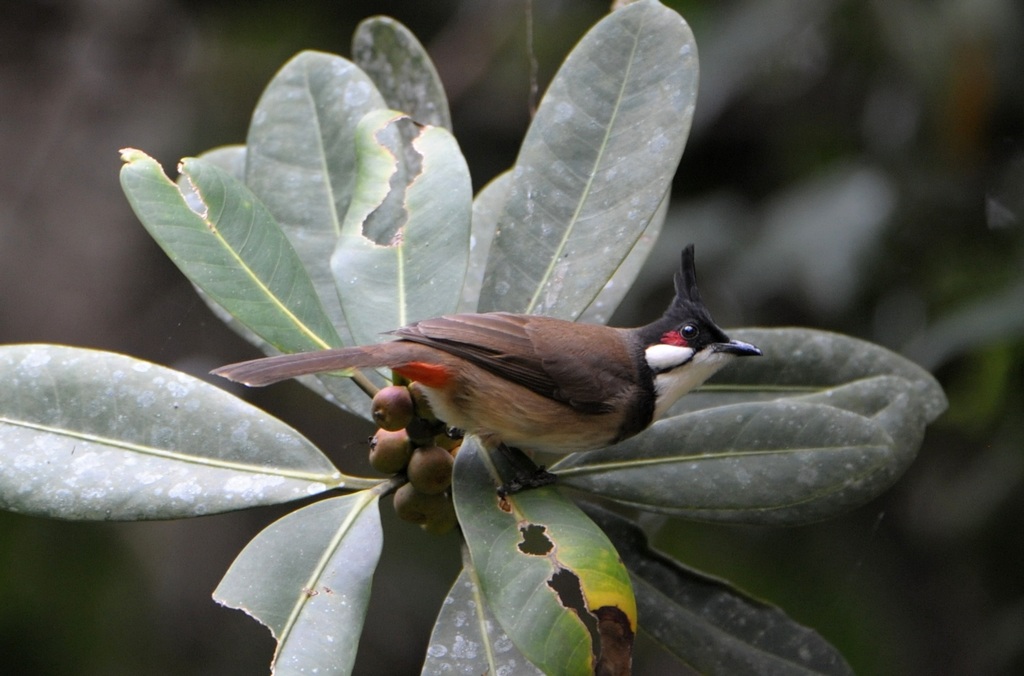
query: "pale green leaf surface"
596, 163
233, 250
307, 578
709, 624
487, 207
822, 423
86, 434
302, 160
232, 160
402, 70
772, 462
301, 163
419, 273
467, 639
616, 288
340, 391
520, 546
800, 361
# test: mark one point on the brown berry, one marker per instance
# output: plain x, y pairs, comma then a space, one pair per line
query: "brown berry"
390, 451
430, 470
411, 505
392, 407
441, 521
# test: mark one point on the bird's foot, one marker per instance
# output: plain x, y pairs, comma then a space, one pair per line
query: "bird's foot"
527, 473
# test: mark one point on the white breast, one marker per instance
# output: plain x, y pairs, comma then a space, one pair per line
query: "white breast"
671, 385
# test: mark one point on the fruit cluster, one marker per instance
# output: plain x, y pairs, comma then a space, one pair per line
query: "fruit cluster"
412, 440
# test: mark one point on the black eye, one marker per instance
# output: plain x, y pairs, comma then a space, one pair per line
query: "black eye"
689, 332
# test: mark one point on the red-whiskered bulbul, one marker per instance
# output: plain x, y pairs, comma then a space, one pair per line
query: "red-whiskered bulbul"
537, 383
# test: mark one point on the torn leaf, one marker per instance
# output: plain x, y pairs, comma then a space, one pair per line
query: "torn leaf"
550, 576
229, 245
404, 244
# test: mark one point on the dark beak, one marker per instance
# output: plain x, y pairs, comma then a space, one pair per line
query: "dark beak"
738, 348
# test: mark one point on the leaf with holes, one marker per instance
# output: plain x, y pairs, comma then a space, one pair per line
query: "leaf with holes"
706, 622
86, 434
549, 575
404, 245
584, 189
307, 578
232, 160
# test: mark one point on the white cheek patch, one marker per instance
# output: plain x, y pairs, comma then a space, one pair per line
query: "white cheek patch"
661, 357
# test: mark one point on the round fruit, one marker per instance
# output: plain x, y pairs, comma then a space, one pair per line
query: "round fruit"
390, 451
411, 505
442, 521
392, 408
430, 470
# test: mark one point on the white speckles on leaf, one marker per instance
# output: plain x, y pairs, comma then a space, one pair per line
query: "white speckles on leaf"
240, 432
251, 484
178, 389
564, 111
95, 435
315, 488
464, 648
186, 490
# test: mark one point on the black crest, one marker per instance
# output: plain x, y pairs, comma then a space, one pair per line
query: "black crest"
686, 279
686, 307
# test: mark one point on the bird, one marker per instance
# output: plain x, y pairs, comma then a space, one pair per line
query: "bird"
535, 383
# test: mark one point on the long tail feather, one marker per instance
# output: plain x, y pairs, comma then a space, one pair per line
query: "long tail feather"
267, 370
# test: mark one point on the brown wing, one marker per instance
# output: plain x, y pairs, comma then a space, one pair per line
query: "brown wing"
581, 365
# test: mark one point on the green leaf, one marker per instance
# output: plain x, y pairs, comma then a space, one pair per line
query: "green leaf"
86, 434
301, 163
706, 622
601, 310
784, 440
487, 207
307, 578
466, 637
550, 576
596, 163
230, 158
799, 362
341, 391
418, 271
402, 70
232, 249
302, 160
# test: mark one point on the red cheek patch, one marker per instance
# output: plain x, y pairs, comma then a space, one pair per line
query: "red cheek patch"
430, 375
673, 338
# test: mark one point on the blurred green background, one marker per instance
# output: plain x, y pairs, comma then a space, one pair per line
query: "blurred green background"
855, 166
